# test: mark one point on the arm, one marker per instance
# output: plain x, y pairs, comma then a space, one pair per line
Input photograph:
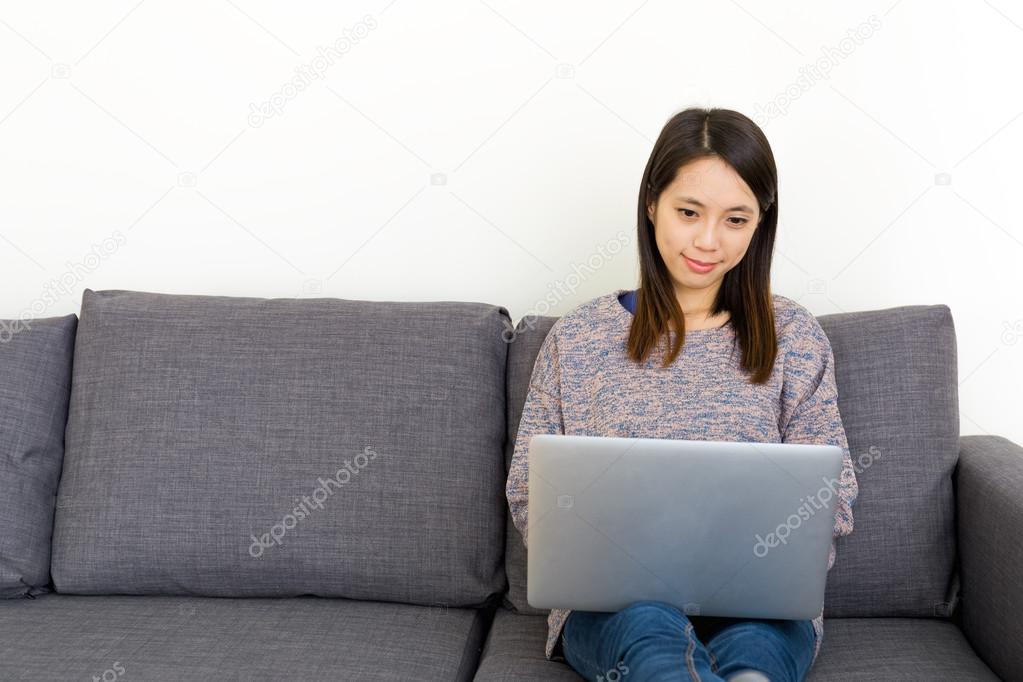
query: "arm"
810, 413
989, 506
541, 413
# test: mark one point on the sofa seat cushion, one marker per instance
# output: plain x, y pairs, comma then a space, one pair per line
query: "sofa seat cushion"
853, 649
515, 651
896, 649
207, 638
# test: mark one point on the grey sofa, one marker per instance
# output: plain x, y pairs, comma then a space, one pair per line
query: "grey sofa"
262, 489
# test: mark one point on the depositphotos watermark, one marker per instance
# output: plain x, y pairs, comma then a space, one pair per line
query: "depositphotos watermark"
605, 252
111, 674
810, 506
307, 73
818, 70
614, 674
63, 285
315, 500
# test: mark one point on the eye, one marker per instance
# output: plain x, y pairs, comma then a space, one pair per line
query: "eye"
741, 221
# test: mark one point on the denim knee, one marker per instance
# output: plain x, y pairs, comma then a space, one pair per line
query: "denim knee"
782, 631
785, 631
653, 615
652, 607
784, 648
645, 640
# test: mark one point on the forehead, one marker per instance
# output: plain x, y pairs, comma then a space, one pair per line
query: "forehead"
713, 179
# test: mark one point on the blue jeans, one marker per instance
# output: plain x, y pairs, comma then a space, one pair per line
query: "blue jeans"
653, 640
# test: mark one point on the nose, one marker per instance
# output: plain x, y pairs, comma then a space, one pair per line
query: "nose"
706, 237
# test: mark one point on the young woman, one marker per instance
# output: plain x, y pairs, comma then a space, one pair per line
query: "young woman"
702, 350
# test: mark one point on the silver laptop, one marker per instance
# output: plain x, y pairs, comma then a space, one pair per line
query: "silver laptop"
715, 528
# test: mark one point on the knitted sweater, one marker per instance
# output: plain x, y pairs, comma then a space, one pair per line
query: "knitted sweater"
584, 384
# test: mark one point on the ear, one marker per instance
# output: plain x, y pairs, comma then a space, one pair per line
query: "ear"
650, 209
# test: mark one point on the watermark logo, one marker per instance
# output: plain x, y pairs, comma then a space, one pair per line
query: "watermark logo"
320, 494
811, 504
820, 69
62, 285
1012, 331
614, 674
111, 674
580, 272
325, 58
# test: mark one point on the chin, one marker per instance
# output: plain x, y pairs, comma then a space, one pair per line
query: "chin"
692, 281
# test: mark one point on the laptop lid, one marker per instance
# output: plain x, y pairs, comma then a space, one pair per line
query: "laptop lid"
716, 528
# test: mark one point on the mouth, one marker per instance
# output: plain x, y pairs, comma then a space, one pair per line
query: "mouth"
698, 266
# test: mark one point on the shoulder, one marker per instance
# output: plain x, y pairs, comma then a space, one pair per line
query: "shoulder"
587, 321
582, 327
796, 327
804, 349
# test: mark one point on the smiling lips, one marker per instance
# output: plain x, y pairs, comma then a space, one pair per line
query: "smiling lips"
697, 266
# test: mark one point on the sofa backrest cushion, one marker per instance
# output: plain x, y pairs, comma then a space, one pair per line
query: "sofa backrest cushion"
896, 375
35, 382
523, 348
896, 371
273, 447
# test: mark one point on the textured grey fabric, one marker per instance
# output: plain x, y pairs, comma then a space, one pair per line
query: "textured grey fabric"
61, 637
989, 490
35, 379
853, 649
522, 352
868, 649
898, 395
203, 433
514, 650
896, 374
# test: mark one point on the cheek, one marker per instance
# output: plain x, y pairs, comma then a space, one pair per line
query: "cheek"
672, 240
740, 236
738, 245
674, 228
665, 230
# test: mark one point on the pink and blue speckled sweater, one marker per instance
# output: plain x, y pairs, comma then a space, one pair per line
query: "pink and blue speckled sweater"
583, 383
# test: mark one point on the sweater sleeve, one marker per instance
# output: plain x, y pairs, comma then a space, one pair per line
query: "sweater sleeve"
810, 410
541, 413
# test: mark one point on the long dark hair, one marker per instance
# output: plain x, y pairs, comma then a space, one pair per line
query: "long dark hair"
745, 291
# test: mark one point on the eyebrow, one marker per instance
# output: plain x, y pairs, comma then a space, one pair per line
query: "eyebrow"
695, 202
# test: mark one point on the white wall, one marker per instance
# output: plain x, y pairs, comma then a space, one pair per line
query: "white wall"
132, 122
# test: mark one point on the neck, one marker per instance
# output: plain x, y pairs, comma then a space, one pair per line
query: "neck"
696, 303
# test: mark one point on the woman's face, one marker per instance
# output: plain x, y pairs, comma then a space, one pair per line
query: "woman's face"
708, 214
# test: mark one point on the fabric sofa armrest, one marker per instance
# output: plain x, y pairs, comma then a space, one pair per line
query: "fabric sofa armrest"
989, 506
